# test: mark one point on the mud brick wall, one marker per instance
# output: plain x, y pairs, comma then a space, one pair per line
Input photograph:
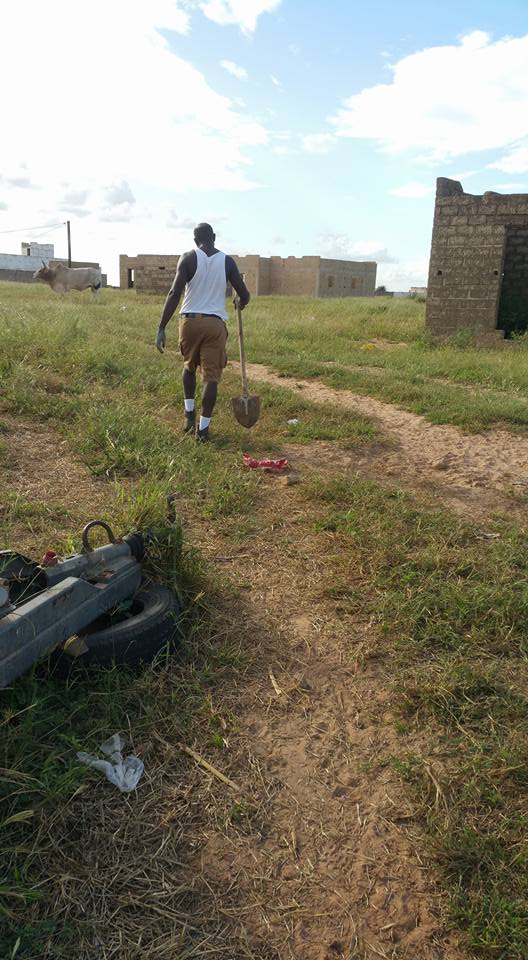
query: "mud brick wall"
126, 263
346, 278
249, 266
264, 276
479, 251
294, 277
154, 273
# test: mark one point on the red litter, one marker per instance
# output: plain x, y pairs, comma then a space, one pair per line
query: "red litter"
50, 559
273, 466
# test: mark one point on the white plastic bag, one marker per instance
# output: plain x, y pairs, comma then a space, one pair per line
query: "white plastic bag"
124, 774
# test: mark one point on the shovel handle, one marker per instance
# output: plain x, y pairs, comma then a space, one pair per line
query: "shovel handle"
245, 391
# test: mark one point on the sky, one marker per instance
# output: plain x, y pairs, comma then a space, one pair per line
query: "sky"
295, 128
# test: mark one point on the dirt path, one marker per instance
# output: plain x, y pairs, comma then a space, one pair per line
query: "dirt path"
328, 865
336, 870
474, 473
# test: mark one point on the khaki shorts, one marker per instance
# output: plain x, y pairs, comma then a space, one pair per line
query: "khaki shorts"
203, 344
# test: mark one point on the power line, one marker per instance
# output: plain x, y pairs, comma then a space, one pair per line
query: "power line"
45, 226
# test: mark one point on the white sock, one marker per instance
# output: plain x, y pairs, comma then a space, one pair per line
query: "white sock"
189, 405
204, 422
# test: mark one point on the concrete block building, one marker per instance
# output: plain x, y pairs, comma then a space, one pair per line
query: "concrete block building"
478, 273
20, 267
264, 276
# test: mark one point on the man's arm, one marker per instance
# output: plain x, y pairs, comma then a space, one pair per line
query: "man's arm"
235, 279
184, 273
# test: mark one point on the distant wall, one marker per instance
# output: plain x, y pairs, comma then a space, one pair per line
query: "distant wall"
125, 264
347, 278
154, 273
15, 275
264, 276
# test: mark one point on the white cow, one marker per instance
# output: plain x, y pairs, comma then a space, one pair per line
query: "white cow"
62, 279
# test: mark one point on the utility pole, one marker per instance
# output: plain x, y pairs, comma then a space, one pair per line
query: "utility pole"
69, 242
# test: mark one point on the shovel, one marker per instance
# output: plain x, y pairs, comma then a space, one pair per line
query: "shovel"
245, 408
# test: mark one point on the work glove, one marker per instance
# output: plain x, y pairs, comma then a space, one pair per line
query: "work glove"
160, 340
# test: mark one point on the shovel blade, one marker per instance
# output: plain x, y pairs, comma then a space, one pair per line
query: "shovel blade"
246, 410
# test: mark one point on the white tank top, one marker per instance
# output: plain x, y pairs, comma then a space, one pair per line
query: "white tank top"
206, 292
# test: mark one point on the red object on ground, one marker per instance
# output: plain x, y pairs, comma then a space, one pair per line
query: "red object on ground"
50, 559
274, 466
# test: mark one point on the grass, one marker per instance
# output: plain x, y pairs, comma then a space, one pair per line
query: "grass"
89, 873
377, 347
93, 375
453, 610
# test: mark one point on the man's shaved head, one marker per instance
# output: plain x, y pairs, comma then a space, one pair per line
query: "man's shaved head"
204, 233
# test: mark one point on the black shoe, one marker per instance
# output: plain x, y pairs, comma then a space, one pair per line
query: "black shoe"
202, 436
189, 422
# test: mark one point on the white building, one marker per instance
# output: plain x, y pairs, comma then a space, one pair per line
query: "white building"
20, 267
30, 259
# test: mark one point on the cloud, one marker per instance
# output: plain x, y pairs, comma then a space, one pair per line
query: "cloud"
318, 142
3, 205
234, 69
177, 222
243, 13
76, 198
74, 202
412, 190
447, 101
152, 137
19, 180
119, 193
339, 246
408, 273
465, 175
514, 162
121, 214
275, 80
76, 211
117, 203
510, 187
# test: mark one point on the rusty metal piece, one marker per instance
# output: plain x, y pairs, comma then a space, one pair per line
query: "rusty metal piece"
87, 547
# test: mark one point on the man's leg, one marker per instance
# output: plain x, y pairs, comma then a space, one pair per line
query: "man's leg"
213, 359
189, 390
209, 395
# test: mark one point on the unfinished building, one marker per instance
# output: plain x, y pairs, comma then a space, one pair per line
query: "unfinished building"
264, 276
478, 272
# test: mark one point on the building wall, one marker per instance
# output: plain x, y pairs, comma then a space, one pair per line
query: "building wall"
294, 276
18, 268
154, 273
34, 249
347, 278
264, 276
125, 264
250, 267
479, 250
18, 261
16, 276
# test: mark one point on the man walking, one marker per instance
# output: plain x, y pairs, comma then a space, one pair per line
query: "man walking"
204, 274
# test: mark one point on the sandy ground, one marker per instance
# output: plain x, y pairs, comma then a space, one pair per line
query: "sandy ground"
475, 474
335, 868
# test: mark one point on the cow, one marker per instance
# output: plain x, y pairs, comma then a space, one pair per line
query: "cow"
62, 279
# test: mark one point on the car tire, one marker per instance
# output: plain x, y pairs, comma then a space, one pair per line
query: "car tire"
152, 624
